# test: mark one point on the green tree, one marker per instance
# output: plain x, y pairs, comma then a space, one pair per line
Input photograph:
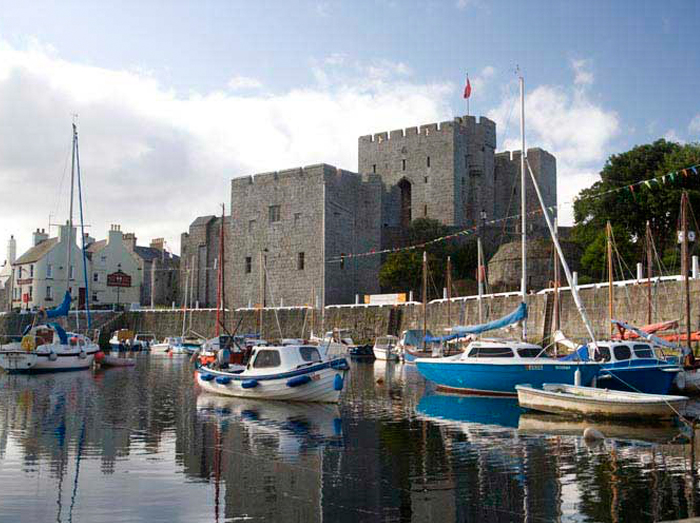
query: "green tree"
629, 210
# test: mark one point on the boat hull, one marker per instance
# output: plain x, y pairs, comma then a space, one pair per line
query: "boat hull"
597, 403
30, 363
651, 379
385, 355
498, 378
321, 387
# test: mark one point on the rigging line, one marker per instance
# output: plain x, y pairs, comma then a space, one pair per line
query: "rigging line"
60, 186
620, 261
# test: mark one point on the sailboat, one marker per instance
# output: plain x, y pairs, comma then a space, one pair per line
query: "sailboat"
45, 346
496, 366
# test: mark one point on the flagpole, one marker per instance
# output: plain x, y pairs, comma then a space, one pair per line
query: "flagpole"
468, 97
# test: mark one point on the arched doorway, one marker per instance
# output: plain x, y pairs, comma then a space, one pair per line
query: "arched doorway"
405, 188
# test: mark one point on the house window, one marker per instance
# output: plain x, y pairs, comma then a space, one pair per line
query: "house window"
248, 264
31, 271
297, 218
20, 274
251, 226
403, 164
94, 297
274, 213
300, 261
72, 272
49, 271
49, 294
374, 168
95, 277
31, 293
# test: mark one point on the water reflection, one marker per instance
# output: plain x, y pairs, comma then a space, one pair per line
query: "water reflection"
143, 444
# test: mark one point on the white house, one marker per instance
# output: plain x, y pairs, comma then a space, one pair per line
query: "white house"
40, 275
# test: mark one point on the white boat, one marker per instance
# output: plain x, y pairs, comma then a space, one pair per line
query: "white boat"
166, 344
600, 403
48, 348
386, 348
293, 373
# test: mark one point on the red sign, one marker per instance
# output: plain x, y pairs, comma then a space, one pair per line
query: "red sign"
25, 297
118, 279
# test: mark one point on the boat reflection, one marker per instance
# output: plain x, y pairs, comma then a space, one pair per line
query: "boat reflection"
470, 410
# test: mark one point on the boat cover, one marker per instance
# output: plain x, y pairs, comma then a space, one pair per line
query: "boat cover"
61, 310
517, 315
61, 333
643, 333
412, 338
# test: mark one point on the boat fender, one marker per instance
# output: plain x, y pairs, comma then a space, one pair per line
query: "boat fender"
340, 364
206, 377
99, 356
591, 434
679, 380
338, 382
223, 380
28, 343
299, 380
53, 356
249, 384
82, 355
577, 377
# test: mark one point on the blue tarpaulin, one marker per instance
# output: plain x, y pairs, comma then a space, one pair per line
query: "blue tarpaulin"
517, 315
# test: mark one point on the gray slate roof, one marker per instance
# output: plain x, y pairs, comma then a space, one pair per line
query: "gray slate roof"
37, 252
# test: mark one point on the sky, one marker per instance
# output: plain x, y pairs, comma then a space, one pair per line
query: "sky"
176, 98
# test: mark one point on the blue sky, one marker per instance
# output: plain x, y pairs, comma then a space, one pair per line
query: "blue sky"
184, 93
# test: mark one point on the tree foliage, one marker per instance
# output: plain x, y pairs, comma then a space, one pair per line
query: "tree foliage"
628, 210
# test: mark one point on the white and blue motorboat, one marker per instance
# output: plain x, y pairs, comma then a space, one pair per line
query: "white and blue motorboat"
495, 367
292, 373
630, 366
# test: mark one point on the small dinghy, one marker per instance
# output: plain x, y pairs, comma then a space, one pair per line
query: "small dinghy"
292, 373
599, 403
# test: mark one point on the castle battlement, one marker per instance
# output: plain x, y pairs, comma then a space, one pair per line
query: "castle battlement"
464, 123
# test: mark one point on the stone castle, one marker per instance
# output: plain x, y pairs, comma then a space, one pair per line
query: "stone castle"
289, 233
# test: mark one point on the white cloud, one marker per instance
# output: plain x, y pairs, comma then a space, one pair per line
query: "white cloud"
694, 125
481, 80
568, 124
672, 136
463, 4
154, 159
244, 82
583, 75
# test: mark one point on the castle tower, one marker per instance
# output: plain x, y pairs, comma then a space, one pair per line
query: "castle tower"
443, 171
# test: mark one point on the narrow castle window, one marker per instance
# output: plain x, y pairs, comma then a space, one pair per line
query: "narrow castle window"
374, 168
251, 226
425, 209
405, 188
427, 161
300, 261
426, 179
274, 213
403, 164
297, 219
248, 264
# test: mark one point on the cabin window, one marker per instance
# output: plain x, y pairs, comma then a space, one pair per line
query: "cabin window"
491, 352
643, 351
602, 354
622, 352
309, 354
266, 359
248, 264
274, 213
532, 352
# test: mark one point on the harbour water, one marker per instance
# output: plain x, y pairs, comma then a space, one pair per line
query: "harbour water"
142, 444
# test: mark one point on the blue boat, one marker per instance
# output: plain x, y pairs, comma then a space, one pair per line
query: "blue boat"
481, 410
631, 366
495, 367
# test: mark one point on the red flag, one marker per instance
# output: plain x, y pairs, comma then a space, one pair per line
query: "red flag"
467, 89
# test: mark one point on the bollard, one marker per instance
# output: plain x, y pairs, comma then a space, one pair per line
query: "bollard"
444, 293
640, 271
410, 296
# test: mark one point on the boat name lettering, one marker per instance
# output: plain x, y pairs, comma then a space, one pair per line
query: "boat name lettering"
533, 367
562, 367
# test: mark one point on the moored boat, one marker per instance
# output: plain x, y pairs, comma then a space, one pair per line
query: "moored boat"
386, 348
293, 373
599, 403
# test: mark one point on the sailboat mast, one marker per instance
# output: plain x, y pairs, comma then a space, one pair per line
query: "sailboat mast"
184, 302
69, 251
480, 277
611, 297
220, 274
523, 203
684, 263
425, 297
649, 268
448, 281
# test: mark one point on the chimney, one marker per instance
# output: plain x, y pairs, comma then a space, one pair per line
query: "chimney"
37, 237
130, 241
158, 243
11, 250
115, 234
62, 233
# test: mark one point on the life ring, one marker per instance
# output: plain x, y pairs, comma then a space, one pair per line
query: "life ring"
28, 343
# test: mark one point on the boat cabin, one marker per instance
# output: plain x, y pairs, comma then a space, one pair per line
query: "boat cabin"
386, 342
272, 360
616, 351
503, 349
